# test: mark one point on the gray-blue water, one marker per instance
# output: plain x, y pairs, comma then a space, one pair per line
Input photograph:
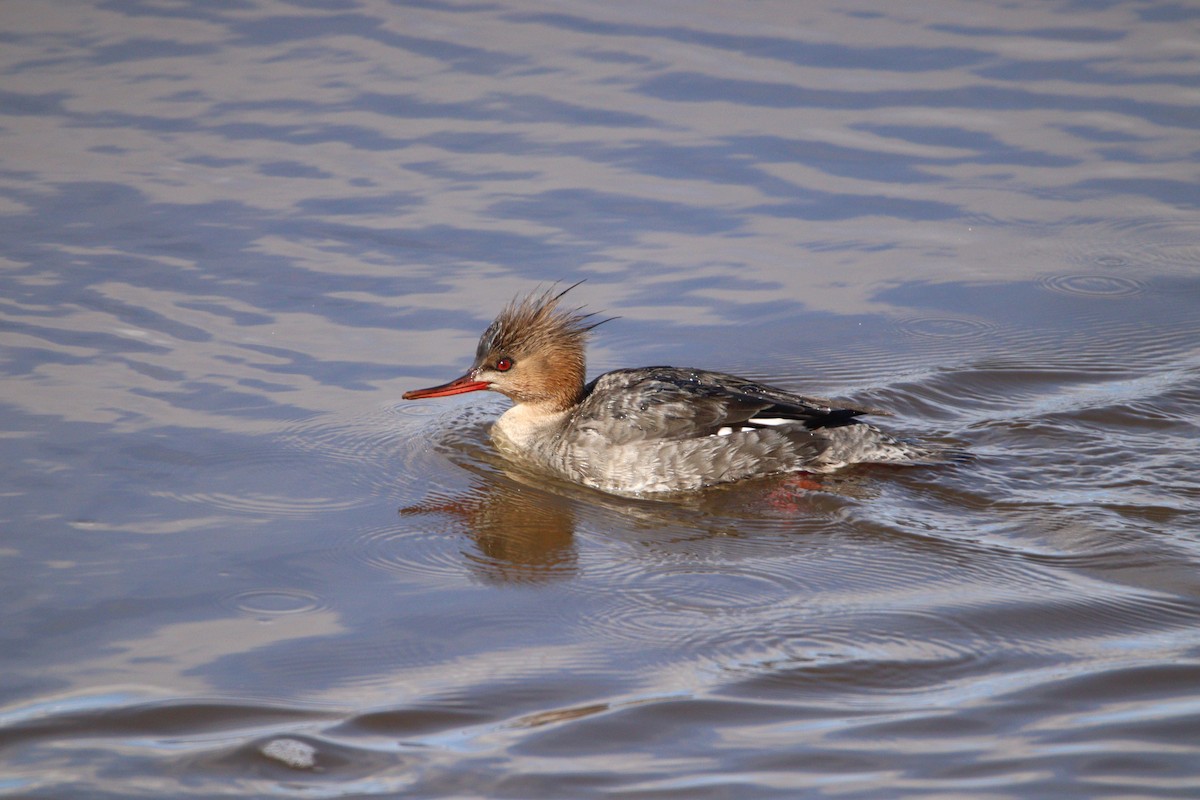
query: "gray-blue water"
234, 563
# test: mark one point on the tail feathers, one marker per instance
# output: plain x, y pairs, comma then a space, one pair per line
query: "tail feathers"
865, 444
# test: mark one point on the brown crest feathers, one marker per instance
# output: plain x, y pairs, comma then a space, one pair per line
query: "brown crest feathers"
536, 323
547, 343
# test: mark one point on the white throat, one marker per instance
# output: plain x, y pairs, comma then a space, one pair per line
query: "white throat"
526, 426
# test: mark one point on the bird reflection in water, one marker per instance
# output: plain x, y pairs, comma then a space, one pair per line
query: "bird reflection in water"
522, 534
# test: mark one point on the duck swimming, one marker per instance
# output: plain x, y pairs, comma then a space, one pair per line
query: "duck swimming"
650, 429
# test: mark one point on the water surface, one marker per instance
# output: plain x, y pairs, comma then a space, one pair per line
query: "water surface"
236, 564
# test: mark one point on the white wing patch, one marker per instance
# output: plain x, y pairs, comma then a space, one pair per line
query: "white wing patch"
752, 424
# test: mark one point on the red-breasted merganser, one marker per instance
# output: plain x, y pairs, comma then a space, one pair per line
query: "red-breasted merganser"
651, 429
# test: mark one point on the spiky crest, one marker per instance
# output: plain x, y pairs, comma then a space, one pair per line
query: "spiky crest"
536, 323
547, 340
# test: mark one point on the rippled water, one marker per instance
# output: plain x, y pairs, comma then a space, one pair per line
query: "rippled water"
235, 564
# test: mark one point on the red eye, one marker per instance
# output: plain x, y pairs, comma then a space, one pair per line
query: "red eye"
504, 364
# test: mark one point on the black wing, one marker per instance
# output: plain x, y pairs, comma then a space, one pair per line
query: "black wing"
675, 403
